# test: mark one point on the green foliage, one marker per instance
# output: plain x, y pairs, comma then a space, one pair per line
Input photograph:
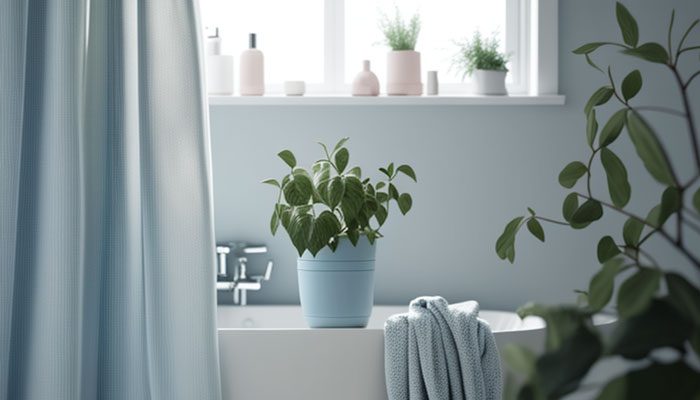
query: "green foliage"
398, 33
479, 53
656, 308
319, 206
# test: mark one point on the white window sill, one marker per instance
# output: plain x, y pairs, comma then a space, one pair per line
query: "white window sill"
383, 100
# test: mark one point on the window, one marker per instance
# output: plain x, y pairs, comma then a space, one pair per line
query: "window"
323, 42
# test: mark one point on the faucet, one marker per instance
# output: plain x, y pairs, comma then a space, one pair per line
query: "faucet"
240, 282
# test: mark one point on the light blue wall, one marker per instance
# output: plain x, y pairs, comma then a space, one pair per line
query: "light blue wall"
477, 167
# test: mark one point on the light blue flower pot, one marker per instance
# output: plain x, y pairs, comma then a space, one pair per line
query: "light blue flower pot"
337, 288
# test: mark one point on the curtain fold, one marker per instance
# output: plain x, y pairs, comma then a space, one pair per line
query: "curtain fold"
107, 282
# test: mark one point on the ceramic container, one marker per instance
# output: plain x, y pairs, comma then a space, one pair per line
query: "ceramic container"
365, 82
294, 88
252, 71
490, 82
219, 68
403, 73
336, 289
432, 88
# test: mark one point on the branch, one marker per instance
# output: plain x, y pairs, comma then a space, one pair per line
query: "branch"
552, 221
669, 111
689, 116
687, 83
692, 258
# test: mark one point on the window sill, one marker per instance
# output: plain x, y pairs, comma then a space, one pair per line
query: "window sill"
383, 100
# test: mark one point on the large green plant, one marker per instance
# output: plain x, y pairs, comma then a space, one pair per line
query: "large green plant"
400, 34
656, 308
317, 207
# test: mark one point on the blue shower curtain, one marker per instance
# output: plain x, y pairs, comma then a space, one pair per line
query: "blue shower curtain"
106, 251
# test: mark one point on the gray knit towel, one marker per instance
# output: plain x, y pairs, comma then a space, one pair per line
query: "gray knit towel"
438, 351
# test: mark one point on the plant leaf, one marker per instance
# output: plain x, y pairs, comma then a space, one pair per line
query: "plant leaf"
602, 284
390, 169
519, 358
326, 226
393, 192
570, 206
353, 197
381, 214
340, 144
571, 174
272, 182
357, 171
588, 47
589, 211
670, 202
591, 128
274, 221
611, 130
288, 157
696, 200
342, 157
405, 202
655, 381
534, 226
618, 185
652, 52
632, 231
599, 97
628, 26
408, 171
637, 292
298, 190
507, 239
300, 229
335, 192
607, 249
632, 84
649, 149
684, 297
659, 325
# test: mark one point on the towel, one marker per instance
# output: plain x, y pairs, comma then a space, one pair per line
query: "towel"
438, 351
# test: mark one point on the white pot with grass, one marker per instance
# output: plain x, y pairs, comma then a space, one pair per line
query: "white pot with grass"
481, 59
403, 62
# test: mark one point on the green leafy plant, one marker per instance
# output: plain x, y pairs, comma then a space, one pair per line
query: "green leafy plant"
330, 201
479, 53
656, 308
400, 34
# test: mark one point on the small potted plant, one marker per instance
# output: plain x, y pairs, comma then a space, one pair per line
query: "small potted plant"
403, 62
480, 57
333, 217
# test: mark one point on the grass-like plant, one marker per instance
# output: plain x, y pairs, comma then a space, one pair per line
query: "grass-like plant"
330, 201
398, 33
479, 53
658, 308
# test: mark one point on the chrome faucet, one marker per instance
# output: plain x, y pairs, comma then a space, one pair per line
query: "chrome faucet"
240, 282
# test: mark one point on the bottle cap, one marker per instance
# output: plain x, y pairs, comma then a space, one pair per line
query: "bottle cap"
251, 41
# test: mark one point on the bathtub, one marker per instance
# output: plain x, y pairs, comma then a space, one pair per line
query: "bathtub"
267, 352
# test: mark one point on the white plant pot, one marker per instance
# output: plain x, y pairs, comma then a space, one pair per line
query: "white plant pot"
403, 73
490, 82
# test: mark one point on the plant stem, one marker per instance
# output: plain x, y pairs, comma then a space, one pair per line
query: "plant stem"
661, 110
688, 116
553, 221
687, 83
588, 171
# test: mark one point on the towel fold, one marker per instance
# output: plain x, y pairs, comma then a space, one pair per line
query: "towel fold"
438, 351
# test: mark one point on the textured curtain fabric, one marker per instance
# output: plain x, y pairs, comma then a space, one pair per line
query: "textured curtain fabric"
106, 233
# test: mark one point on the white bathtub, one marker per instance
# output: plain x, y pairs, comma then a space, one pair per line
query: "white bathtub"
266, 352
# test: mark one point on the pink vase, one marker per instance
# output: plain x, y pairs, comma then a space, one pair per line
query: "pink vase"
403, 73
366, 82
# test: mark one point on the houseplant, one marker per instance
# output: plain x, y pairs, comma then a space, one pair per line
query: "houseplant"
403, 62
333, 217
657, 308
480, 57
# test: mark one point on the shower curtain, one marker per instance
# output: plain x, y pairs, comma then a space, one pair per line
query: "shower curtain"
106, 254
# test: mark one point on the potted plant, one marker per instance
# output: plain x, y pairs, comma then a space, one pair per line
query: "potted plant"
333, 217
480, 57
655, 294
403, 62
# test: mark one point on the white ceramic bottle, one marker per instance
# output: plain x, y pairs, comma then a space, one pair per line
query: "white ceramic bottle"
219, 67
252, 70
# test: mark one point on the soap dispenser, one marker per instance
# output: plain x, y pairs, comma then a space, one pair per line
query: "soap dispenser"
219, 67
252, 70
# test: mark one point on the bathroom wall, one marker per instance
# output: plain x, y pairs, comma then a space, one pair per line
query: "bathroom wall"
477, 168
